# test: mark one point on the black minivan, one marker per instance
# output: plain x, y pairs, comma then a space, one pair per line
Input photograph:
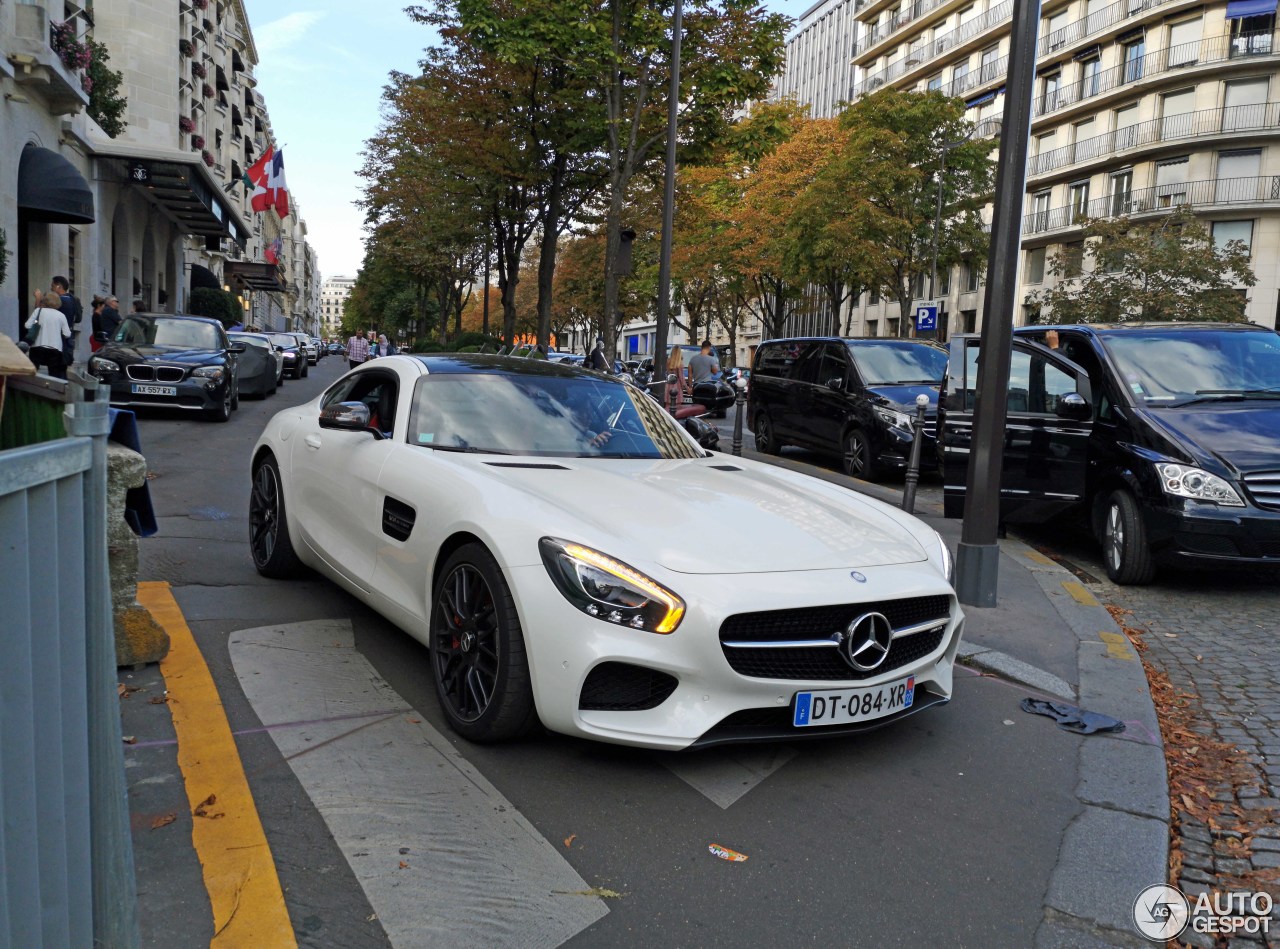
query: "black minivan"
1164, 436
855, 398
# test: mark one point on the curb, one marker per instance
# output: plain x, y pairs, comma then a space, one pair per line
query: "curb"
1119, 841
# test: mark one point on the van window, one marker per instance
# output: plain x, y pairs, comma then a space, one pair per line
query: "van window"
776, 359
808, 368
1171, 367
1035, 384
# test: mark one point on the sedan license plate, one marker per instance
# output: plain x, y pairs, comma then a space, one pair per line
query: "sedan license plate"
843, 706
154, 390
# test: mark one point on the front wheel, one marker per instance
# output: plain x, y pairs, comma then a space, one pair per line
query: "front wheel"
222, 411
478, 658
235, 397
269, 540
766, 441
855, 456
1124, 541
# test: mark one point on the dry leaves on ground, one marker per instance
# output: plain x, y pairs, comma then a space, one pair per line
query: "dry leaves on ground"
163, 820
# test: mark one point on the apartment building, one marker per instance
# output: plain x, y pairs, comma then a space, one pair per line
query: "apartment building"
333, 296
158, 208
1140, 106
819, 69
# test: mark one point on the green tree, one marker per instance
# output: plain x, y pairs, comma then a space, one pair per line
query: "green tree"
219, 304
1170, 270
107, 104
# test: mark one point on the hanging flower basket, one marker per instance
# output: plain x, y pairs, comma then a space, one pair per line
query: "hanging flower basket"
207, 91
208, 158
186, 124
197, 142
201, 4
185, 47
198, 70
73, 53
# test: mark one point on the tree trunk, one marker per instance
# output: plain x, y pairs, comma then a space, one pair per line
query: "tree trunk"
613, 240
550, 244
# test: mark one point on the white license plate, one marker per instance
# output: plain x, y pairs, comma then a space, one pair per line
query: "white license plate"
139, 389
842, 706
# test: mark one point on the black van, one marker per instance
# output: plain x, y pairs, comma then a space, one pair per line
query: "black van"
1165, 436
850, 397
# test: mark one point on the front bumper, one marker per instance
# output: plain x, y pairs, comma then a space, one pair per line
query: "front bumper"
1199, 533
192, 394
710, 702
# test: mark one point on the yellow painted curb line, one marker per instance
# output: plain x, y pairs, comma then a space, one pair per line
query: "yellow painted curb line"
1079, 593
239, 872
1117, 646
1036, 557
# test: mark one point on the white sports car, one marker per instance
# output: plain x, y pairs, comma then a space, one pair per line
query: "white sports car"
571, 556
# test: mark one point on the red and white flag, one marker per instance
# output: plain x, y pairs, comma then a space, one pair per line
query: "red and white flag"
269, 188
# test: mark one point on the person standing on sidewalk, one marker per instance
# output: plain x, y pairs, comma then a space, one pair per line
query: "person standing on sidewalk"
703, 366
48, 333
73, 310
357, 350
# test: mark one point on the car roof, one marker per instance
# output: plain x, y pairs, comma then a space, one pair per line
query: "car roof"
462, 363
851, 339
1119, 329
173, 316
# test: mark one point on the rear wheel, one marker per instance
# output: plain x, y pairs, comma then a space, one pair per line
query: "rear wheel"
1124, 541
269, 540
766, 441
478, 658
855, 455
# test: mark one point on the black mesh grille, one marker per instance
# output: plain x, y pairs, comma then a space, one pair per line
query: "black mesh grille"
819, 622
622, 687
170, 373
827, 662
1207, 544
140, 372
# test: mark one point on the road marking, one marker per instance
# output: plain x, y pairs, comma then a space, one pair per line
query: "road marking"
443, 857
1079, 593
1036, 557
1117, 646
239, 872
723, 775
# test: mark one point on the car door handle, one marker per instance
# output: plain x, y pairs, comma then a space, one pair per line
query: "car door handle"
312, 441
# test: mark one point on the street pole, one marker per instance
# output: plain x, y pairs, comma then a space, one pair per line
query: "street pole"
668, 201
937, 224
978, 557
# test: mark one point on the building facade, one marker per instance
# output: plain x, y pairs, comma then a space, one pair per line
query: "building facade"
819, 68
333, 296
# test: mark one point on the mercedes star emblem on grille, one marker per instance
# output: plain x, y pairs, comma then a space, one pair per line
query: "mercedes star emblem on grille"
867, 640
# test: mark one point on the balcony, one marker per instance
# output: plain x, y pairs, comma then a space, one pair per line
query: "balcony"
1095, 22
37, 66
1210, 193
881, 32
1205, 52
1262, 117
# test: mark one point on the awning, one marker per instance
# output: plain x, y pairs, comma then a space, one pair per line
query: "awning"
183, 192
202, 276
51, 189
1236, 9
255, 275
1087, 53
979, 100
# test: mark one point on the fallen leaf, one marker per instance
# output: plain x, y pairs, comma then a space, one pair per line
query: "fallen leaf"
598, 891
121, 688
158, 700
129, 739
163, 820
414, 721
403, 865
369, 919
568, 841
202, 809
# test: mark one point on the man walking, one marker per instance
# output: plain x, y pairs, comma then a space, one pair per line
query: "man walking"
73, 310
704, 365
357, 350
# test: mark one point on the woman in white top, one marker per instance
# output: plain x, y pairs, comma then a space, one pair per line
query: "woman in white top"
51, 329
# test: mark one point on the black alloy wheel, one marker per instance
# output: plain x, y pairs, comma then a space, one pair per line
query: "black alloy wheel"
269, 541
765, 443
855, 455
478, 658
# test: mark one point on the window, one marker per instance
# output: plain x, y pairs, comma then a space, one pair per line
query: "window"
1082, 135
1244, 104
1122, 193
1040, 211
892, 328
874, 299
1030, 314
1053, 35
1126, 126
1035, 383
1171, 182
944, 282
1238, 174
1049, 88
1132, 55
1078, 200
1176, 113
1184, 42
989, 68
1251, 35
1090, 73
935, 83
958, 76
1224, 231
1073, 259
1035, 265
873, 328
971, 271
1046, 142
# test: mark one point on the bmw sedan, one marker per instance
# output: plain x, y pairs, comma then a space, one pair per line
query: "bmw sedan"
487, 506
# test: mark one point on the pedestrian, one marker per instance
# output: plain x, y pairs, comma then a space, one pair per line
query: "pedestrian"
110, 316
384, 347
73, 310
139, 306
96, 340
679, 385
357, 350
597, 360
48, 333
703, 366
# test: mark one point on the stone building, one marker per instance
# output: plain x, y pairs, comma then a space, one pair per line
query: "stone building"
333, 296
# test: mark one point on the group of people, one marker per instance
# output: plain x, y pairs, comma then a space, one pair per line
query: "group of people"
371, 345
702, 367
51, 332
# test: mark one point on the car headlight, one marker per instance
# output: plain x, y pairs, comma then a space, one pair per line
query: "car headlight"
945, 561
209, 372
1184, 481
97, 364
894, 418
609, 589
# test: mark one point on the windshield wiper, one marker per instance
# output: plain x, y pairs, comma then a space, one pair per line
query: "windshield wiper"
467, 449
1228, 395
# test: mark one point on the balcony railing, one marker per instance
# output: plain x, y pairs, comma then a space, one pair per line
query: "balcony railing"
985, 73
883, 31
1237, 118
1212, 192
1215, 49
1095, 22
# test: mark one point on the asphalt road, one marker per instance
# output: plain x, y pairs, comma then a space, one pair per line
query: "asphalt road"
940, 830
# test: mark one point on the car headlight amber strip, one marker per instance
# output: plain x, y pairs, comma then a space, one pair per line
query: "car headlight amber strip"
609, 589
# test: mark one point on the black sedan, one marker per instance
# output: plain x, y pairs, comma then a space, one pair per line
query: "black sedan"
181, 362
260, 370
295, 357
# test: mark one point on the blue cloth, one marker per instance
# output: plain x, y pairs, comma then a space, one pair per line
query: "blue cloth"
138, 512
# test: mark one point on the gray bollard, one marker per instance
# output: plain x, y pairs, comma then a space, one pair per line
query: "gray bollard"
913, 464
739, 407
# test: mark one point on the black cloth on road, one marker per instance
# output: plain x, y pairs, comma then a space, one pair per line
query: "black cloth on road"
1073, 719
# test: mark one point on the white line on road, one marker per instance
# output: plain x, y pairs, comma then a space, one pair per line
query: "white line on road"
443, 857
723, 775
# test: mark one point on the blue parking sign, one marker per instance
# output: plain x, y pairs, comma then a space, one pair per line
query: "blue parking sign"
926, 317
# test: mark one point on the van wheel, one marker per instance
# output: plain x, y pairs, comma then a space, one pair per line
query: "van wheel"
765, 440
1124, 541
855, 456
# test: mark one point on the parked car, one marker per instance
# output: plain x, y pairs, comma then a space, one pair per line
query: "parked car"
320, 349
1162, 438
295, 357
261, 365
310, 348
479, 502
855, 398
337, 349
171, 361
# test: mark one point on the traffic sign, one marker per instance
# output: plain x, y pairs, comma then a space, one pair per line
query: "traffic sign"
926, 316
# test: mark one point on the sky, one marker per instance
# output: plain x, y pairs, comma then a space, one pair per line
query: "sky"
322, 68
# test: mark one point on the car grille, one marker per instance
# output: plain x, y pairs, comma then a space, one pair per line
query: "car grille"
622, 687
1264, 488
820, 624
146, 372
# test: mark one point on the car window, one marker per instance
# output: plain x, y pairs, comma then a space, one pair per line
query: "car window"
1169, 366
808, 368
377, 390
898, 362
188, 334
834, 363
1036, 384
777, 359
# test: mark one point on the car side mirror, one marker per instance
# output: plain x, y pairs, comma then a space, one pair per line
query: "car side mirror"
237, 346
836, 383
1073, 406
347, 417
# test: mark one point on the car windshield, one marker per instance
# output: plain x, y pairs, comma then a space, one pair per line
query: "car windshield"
535, 414
1171, 367
895, 362
188, 334
251, 340
280, 339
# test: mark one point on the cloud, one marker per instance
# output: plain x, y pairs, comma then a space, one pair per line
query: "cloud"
282, 33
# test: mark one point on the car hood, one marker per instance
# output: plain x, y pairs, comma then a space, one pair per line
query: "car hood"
1243, 436
905, 396
697, 517
145, 352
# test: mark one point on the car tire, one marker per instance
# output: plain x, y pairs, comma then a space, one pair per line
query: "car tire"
305, 369
1125, 551
856, 459
269, 541
235, 396
222, 411
766, 440
477, 651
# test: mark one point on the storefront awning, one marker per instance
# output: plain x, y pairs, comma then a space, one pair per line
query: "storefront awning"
254, 274
182, 191
1238, 9
51, 189
202, 276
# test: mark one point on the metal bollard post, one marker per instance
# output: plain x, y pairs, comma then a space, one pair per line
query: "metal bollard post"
913, 464
739, 405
